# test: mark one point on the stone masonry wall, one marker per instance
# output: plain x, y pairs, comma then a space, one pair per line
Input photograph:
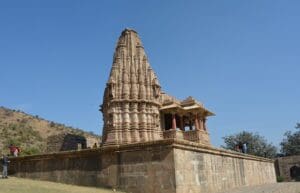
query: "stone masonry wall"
134, 168
284, 166
165, 166
149, 171
202, 172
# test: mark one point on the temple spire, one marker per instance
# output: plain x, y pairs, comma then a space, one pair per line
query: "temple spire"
131, 95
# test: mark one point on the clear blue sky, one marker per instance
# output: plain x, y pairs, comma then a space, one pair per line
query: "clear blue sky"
240, 58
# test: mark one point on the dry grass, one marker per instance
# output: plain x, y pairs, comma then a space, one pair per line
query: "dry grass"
28, 131
20, 185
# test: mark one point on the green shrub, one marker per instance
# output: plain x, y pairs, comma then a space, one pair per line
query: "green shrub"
280, 178
14, 141
30, 151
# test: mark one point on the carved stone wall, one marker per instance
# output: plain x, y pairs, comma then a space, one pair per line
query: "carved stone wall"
133, 103
131, 97
198, 136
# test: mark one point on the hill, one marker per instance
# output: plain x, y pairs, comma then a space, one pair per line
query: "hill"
16, 185
31, 132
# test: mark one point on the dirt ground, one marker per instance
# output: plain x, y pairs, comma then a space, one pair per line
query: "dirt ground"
20, 185
17, 185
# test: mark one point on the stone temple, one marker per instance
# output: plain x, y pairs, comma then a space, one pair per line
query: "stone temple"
152, 142
135, 109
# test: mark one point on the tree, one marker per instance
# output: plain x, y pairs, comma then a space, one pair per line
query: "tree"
290, 145
256, 144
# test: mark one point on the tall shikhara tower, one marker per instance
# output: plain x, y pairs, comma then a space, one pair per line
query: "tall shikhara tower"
136, 110
131, 99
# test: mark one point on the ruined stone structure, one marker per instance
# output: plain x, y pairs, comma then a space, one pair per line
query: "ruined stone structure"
288, 167
134, 107
65, 142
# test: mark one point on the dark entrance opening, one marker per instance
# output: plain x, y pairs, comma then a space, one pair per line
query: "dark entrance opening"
168, 121
295, 173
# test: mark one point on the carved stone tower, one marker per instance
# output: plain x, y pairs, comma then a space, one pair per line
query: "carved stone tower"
136, 110
131, 98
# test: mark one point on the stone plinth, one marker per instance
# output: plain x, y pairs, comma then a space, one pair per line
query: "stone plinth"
164, 166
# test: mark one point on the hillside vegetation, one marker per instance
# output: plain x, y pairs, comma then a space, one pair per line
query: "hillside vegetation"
17, 185
30, 132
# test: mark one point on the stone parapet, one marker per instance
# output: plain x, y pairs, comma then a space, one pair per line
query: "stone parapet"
196, 136
172, 143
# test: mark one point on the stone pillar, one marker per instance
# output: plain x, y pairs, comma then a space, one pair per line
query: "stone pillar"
200, 123
196, 122
181, 123
174, 121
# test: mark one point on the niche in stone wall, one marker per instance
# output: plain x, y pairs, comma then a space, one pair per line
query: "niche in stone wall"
295, 173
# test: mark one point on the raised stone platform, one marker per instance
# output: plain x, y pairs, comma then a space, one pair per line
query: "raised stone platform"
163, 166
